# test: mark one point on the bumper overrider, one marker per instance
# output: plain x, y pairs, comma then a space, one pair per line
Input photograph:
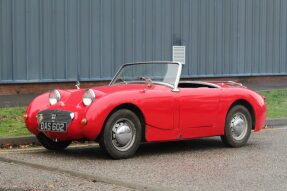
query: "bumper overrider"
60, 125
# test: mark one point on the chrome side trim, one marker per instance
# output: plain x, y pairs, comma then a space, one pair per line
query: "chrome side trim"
231, 83
201, 82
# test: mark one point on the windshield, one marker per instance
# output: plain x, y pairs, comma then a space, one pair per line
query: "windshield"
159, 72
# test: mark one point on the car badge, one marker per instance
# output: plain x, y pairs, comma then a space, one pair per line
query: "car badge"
53, 116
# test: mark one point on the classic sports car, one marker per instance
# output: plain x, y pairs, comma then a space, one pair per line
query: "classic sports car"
146, 102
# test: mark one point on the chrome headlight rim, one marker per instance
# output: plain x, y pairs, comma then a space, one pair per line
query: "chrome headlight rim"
88, 97
54, 96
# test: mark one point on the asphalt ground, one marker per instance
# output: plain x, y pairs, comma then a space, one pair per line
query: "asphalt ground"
203, 164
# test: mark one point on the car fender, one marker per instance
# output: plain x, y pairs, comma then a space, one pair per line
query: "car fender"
99, 111
38, 104
255, 100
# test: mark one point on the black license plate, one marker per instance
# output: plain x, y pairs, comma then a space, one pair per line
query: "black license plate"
53, 127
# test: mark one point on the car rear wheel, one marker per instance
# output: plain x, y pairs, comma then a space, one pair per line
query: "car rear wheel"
122, 134
52, 145
238, 127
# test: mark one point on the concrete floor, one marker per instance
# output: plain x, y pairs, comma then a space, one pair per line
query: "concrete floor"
203, 164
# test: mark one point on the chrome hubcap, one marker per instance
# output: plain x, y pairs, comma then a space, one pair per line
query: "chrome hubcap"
123, 134
238, 126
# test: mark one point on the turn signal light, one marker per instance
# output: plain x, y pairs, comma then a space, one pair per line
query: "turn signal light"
25, 116
84, 121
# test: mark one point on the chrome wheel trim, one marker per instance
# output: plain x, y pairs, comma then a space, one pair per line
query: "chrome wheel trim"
238, 126
123, 134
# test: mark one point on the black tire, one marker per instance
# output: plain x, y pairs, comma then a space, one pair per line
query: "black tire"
108, 138
102, 146
52, 145
228, 138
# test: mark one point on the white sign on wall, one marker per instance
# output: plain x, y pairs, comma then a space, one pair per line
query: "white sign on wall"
178, 54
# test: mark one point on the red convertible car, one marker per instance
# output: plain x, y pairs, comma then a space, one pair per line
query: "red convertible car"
146, 102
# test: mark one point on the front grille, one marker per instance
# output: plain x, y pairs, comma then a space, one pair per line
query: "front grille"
54, 116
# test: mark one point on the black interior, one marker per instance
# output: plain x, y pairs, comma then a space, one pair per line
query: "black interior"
195, 85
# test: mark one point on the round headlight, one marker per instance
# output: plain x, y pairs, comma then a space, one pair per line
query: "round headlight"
54, 97
88, 97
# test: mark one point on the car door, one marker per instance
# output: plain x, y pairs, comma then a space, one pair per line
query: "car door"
161, 113
199, 111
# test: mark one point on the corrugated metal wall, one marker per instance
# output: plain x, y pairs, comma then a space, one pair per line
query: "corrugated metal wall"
60, 40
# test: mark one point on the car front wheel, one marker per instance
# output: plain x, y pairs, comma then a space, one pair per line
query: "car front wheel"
238, 127
122, 134
52, 145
